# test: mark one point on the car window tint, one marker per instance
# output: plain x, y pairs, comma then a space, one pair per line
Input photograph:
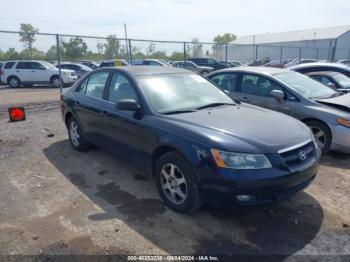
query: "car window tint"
96, 84
257, 85
325, 80
82, 87
120, 88
226, 81
23, 65
36, 66
9, 65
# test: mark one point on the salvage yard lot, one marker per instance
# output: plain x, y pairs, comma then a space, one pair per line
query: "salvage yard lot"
55, 200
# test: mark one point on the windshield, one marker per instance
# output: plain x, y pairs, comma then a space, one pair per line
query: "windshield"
343, 80
48, 65
305, 85
180, 92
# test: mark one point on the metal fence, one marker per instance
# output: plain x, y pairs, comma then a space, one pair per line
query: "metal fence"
13, 45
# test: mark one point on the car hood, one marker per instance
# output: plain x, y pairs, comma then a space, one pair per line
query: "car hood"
243, 128
340, 102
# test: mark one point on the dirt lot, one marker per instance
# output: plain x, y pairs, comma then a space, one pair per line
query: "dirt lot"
58, 201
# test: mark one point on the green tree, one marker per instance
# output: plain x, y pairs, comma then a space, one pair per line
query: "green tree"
51, 54
177, 56
74, 49
136, 53
11, 54
224, 39
111, 48
195, 49
33, 54
27, 36
151, 49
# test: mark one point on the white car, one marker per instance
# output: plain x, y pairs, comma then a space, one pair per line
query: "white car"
29, 72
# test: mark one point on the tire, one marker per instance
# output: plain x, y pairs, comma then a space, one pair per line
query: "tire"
76, 137
182, 178
14, 82
322, 135
204, 72
55, 81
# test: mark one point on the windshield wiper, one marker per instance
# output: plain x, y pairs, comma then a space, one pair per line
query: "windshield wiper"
178, 112
214, 105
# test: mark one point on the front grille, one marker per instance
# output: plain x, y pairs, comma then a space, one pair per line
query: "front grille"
73, 74
300, 156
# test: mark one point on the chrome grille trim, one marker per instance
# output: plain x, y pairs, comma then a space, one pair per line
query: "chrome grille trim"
293, 147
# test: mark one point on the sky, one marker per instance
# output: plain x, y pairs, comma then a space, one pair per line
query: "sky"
179, 20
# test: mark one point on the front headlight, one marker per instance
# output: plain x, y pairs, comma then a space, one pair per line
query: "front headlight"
343, 122
66, 73
240, 161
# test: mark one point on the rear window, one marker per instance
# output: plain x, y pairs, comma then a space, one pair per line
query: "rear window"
9, 65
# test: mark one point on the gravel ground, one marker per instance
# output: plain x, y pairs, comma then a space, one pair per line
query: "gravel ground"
58, 201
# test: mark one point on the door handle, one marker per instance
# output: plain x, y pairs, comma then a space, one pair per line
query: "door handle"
244, 99
33, 71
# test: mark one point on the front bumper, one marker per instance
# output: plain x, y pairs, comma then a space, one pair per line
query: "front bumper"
280, 185
340, 138
69, 79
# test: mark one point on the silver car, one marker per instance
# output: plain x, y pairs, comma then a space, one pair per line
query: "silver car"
324, 110
189, 65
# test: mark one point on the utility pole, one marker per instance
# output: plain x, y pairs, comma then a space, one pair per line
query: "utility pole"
127, 44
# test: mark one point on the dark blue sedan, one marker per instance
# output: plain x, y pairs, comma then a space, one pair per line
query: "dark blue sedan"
199, 143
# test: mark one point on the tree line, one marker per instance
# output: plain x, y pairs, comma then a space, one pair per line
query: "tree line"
76, 48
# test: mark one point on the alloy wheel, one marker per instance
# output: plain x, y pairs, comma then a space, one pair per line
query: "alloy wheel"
173, 183
74, 134
320, 136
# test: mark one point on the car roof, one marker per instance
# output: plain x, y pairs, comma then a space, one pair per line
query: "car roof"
338, 65
151, 70
255, 69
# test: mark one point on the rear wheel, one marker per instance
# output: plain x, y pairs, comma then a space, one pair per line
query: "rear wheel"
177, 184
76, 136
14, 82
322, 134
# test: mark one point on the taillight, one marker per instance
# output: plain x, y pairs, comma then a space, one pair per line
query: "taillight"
1, 72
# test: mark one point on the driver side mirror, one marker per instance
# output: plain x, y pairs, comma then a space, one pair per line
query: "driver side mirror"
331, 85
128, 105
278, 94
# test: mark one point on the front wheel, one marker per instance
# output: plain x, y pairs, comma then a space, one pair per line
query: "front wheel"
55, 81
322, 134
76, 136
177, 184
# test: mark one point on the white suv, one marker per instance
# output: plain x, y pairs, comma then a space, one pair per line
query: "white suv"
29, 72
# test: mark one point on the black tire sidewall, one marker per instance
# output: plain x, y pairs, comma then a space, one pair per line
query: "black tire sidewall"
193, 200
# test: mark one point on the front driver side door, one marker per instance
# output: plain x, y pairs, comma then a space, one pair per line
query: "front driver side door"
256, 89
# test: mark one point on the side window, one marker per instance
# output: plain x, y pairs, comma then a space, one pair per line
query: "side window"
36, 66
82, 87
257, 85
154, 63
120, 88
23, 65
228, 82
96, 84
211, 62
325, 80
9, 65
189, 65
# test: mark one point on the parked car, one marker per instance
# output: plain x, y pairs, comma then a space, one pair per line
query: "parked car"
197, 142
154, 62
301, 61
208, 62
318, 67
189, 65
258, 62
79, 69
274, 63
334, 80
344, 62
325, 111
89, 63
113, 63
29, 72
1, 71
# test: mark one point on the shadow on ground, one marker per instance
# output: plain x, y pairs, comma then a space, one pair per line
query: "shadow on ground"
280, 229
336, 159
